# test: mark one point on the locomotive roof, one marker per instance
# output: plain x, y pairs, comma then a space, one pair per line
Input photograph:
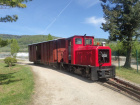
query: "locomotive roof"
79, 36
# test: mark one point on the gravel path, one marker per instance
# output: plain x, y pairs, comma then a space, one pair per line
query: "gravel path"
55, 87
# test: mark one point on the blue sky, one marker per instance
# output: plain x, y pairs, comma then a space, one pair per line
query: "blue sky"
61, 18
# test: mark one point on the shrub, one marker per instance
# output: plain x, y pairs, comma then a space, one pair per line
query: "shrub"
10, 61
115, 47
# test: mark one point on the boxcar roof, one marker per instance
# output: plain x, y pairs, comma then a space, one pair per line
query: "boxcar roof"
45, 41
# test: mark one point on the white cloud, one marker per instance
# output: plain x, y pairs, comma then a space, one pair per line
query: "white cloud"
88, 3
95, 21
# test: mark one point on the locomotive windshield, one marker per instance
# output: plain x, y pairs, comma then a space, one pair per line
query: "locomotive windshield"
78, 41
88, 41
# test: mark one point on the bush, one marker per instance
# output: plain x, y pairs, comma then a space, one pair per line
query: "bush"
115, 47
10, 61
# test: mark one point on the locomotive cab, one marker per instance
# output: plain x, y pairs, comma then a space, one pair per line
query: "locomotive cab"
76, 43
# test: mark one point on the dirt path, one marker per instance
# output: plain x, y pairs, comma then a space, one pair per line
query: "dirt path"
55, 87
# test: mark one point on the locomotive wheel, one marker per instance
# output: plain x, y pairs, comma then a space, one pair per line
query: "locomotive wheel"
83, 73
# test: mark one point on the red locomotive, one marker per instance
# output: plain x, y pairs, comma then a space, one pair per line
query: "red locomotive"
76, 54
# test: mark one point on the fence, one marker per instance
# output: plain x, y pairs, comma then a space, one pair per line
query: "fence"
119, 60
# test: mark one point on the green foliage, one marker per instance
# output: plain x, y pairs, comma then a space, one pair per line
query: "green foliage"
11, 4
117, 48
14, 3
122, 22
24, 40
122, 51
100, 40
136, 45
10, 61
9, 18
122, 18
49, 37
3, 42
14, 47
5, 49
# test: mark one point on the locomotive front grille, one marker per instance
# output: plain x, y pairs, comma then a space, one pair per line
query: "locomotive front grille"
103, 56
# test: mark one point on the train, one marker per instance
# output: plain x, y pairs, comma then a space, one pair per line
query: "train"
77, 54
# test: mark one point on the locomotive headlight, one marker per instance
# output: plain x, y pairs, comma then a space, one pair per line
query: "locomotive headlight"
103, 43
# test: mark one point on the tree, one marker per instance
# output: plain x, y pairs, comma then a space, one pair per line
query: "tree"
10, 61
49, 37
14, 47
122, 22
3, 42
11, 4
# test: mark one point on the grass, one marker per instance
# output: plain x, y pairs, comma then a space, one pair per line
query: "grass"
129, 74
16, 85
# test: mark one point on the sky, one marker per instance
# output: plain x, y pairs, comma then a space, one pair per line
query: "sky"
61, 18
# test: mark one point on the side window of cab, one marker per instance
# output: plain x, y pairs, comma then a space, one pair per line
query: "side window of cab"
78, 41
89, 41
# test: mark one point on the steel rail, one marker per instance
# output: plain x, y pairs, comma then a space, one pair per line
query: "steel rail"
125, 86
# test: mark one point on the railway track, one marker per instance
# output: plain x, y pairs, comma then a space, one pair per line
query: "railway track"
125, 87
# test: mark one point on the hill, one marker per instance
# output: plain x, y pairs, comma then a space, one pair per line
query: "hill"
24, 40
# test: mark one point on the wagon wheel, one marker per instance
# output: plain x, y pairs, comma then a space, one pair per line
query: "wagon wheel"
61, 68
